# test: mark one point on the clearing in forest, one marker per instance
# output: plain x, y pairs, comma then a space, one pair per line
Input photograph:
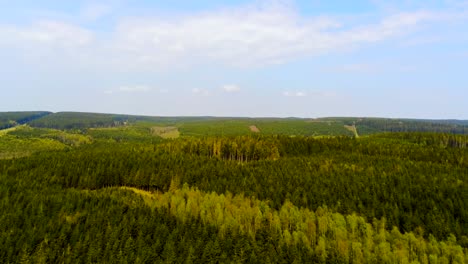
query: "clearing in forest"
141, 192
254, 129
352, 129
319, 121
165, 132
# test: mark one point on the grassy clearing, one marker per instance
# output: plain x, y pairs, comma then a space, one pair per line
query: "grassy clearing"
165, 132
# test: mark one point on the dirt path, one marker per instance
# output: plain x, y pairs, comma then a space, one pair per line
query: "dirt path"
352, 129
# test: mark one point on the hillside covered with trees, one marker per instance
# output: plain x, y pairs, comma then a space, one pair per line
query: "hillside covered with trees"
225, 126
11, 119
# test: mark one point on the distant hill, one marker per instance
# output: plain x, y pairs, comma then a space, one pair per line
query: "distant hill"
77, 120
82, 120
207, 126
10, 119
377, 125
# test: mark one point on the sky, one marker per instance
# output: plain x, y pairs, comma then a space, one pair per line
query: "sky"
281, 58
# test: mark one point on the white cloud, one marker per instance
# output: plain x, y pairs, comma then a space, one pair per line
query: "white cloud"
294, 94
253, 36
52, 34
392, 26
135, 89
199, 91
242, 37
231, 88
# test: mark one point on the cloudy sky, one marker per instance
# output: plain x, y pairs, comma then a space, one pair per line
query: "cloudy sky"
307, 58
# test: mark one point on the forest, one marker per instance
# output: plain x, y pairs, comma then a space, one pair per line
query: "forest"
224, 126
98, 188
11, 119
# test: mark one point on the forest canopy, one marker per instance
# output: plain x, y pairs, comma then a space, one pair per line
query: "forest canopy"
123, 193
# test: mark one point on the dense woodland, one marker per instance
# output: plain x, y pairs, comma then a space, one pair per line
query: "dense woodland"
11, 119
375, 125
234, 126
123, 194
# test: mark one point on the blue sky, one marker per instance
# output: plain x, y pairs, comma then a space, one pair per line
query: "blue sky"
236, 58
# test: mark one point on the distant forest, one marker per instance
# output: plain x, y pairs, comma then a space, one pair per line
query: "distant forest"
11, 119
236, 126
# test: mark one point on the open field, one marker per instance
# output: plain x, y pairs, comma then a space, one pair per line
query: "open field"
165, 132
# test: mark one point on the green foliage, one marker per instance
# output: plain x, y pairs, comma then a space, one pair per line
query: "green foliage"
75, 120
82, 121
214, 127
234, 126
267, 126
302, 127
118, 194
368, 125
22, 141
240, 148
124, 134
13, 147
326, 234
10, 119
114, 226
412, 185
67, 138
